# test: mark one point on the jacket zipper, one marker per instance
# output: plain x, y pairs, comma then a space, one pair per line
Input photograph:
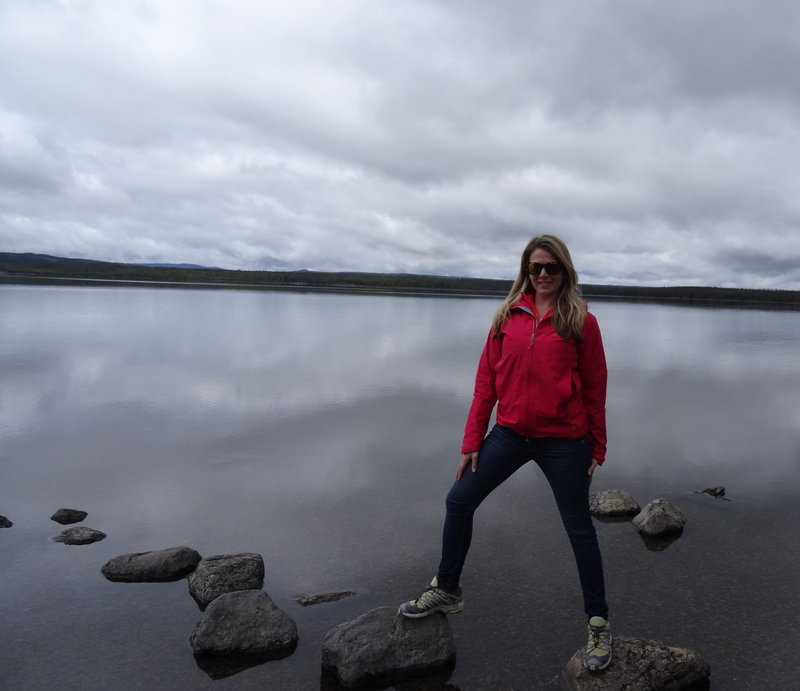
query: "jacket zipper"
529, 377
529, 372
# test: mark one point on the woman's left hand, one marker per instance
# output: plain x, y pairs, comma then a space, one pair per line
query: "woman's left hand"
593, 466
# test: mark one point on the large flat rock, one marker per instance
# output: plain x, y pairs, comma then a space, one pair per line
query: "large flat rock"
170, 564
245, 623
382, 645
640, 665
225, 573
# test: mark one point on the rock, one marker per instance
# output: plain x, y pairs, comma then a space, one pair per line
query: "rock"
245, 623
79, 536
307, 600
161, 565
718, 492
5, 523
660, 518
613, 503
225, 573
639, 665
67, 516
383, 646
713, 491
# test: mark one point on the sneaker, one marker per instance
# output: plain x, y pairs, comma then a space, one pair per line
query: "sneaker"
597, 655
431, 600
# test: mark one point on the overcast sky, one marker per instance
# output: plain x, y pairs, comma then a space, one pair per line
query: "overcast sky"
660, 140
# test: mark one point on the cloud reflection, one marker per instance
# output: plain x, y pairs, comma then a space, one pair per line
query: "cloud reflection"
687, 385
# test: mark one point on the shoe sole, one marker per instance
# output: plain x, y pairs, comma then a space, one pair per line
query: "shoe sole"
599, 668
444, 609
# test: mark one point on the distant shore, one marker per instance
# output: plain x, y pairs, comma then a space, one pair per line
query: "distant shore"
40, 268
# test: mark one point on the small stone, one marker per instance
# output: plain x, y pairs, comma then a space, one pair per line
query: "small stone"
308, 600
639, 665
79, 536
718, 492
67, 516
159, 565
613, 503
225, 573
383, 646
5, 523
660, 518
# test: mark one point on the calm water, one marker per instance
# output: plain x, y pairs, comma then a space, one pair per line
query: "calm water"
322, 432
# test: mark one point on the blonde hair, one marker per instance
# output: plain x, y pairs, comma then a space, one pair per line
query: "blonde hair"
570, 311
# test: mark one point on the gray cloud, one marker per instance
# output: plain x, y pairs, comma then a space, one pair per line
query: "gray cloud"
660, 140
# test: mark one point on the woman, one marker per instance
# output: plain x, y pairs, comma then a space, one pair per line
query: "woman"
544, 366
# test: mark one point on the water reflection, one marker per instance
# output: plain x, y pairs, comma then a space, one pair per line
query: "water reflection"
433, 681
322, 432
222, 666
237, 353
714, 390
658, 544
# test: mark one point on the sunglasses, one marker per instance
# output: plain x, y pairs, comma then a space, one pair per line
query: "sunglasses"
552, 269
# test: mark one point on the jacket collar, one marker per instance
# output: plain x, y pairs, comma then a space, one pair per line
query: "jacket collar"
527, 304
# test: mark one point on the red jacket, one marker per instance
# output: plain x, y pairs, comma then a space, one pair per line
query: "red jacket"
544, 385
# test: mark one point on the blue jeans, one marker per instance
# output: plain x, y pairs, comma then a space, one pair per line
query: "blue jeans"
564, 463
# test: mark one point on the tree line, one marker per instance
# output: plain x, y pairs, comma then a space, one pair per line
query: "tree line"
18, 266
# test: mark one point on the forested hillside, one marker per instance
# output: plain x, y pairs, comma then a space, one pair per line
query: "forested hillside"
17, 267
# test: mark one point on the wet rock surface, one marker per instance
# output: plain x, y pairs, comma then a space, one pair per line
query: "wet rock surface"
713, 491
640, 665
382, 646
5, 523
67, 516
225, 573
718, 492
613, 503
79, 536
170, 564
660, 518
244, 625
321, 598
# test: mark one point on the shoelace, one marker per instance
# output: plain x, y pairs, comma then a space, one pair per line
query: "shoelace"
599, 637
426, 596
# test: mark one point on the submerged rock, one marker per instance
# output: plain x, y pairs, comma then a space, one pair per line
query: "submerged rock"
244, 624
660, 518
67, 516
381, 645
713, 491
639, 665
718, 492
319, 598
160, 565
613, 503
79, 536
225, 573
5, 523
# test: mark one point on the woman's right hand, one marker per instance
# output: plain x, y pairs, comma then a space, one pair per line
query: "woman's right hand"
467, 459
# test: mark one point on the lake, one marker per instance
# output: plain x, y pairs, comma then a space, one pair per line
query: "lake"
322, 431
